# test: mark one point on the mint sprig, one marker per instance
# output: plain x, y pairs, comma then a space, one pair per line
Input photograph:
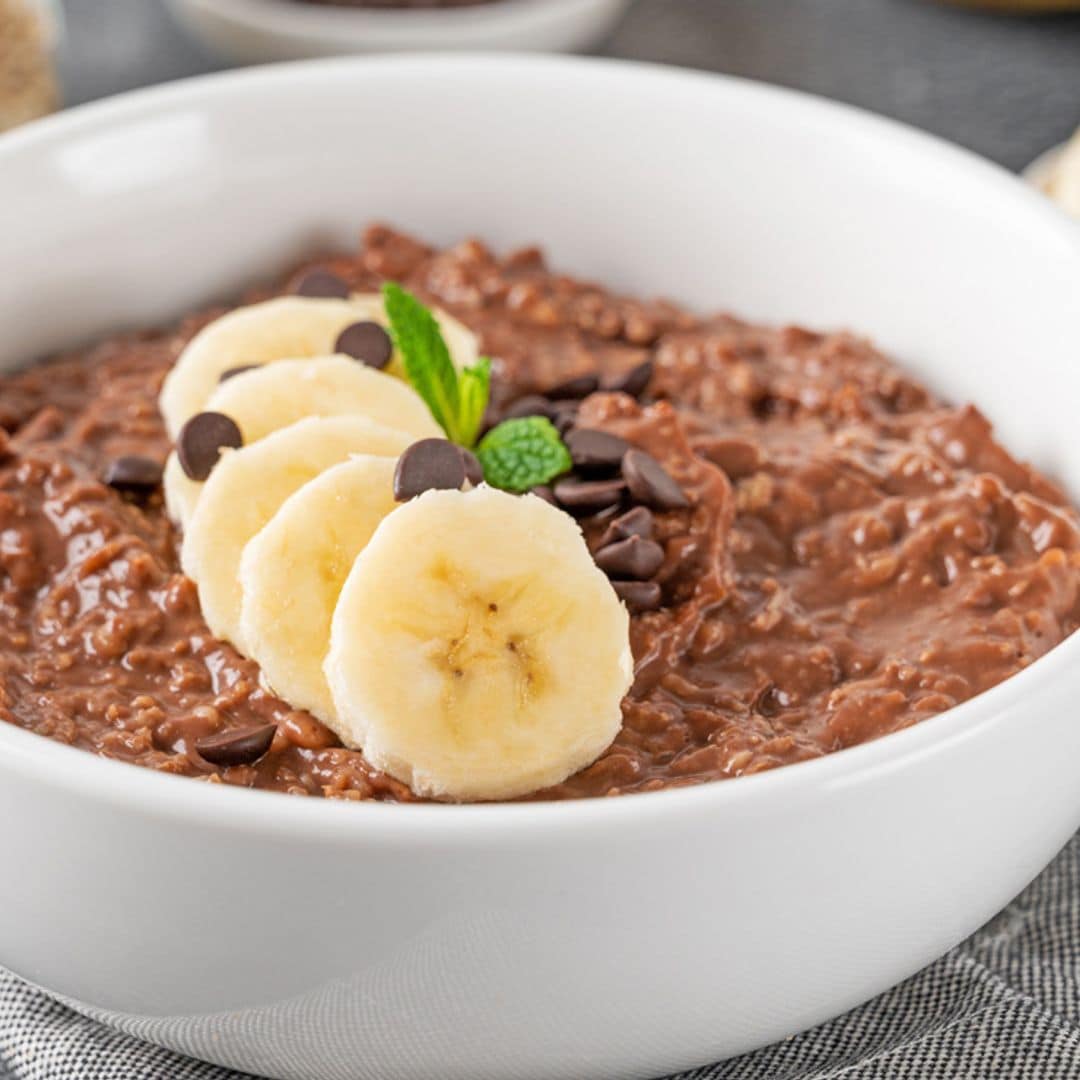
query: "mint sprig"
427, 361
457, 399
516, 455
474, 387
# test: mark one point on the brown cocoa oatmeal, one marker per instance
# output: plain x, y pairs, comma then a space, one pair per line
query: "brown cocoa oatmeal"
857, 556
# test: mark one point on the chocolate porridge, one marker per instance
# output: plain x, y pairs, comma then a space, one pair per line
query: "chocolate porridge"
856, 555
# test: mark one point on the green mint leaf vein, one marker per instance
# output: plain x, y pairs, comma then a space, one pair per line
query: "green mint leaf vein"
427, 361
474, 386
518, 454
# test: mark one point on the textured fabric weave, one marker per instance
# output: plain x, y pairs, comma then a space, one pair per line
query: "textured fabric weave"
1005, 1003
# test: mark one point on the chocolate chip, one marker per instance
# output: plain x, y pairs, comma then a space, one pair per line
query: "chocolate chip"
650, 483
768, 406
592, 449
322, 283
529, 405
564, 415
134, 474
367, 342
228, 373
771, 701
630, 558
634, 381
241, 746
201, 440
636, 522
474, 471
639, 596
588, 495
426, 465
543, 491
580, 387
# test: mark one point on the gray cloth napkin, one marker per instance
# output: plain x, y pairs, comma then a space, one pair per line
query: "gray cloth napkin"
1005, 1003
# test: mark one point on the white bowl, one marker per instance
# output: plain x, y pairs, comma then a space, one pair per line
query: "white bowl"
616, 937
255, 31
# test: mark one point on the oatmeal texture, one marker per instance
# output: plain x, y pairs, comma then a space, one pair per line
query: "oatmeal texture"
857, 556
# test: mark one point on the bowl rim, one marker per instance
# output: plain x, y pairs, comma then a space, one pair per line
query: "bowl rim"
167, 797
320, 23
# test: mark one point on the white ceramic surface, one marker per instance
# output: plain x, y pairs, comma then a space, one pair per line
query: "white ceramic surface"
610, 938
255, 31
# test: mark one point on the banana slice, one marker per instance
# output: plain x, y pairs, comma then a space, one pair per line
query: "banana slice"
274, 396
181, 492
292, 571
246, 489
476, 651
288, 328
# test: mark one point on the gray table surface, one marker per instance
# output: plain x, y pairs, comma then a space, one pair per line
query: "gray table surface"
1005, 87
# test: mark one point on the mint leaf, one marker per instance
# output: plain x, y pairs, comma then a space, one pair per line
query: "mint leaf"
474, 385
521, 453
427, 361
457, 399
516, 455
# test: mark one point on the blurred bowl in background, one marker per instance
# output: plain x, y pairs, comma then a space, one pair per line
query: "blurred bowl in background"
256, 31
1023, 7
